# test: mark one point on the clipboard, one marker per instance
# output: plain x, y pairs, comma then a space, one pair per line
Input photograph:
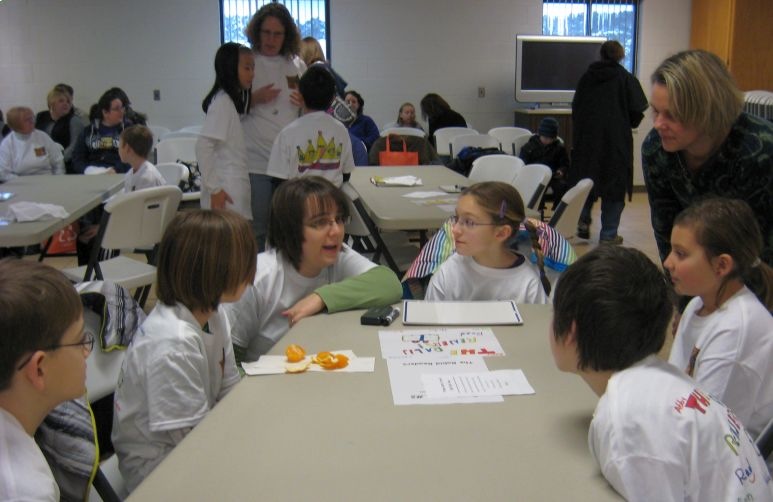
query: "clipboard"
484, 313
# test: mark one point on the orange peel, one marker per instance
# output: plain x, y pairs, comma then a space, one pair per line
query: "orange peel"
295, 353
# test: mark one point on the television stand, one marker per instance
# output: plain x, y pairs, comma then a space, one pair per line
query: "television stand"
531, 117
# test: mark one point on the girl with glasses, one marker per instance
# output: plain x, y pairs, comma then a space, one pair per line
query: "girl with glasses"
307, 268
484, 267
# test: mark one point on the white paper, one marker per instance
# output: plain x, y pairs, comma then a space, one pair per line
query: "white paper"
405, 378
489, 383
275, 365
396, 181
423, 195
439, 343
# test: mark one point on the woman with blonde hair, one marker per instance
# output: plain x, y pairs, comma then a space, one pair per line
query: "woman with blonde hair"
406, 117
311, 53
61, 122
702, 143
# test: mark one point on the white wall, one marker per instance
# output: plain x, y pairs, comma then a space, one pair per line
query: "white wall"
391, 51
139, 45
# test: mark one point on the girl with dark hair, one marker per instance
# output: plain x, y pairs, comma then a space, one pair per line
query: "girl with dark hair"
724, 336
488, 215
132, 116
275, 100
438, 114
363, 126
307, 268
97, 145
220, 147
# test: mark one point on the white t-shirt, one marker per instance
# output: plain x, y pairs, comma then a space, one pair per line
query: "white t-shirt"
173, 374
222, 156
315, 144
26, 154
730, 354
461, 278
256, 320
657, 437
24, 472
147, 176
263, 123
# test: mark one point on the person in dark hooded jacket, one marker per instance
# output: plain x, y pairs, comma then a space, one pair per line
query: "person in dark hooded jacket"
607, 104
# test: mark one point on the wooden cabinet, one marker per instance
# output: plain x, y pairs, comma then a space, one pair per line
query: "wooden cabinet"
530, 119
739, 32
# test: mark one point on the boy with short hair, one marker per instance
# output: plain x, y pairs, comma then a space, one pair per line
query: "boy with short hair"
316, 143
134, 149
43, 352
655, 435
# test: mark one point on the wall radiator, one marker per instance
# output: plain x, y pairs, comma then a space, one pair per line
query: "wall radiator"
759, 103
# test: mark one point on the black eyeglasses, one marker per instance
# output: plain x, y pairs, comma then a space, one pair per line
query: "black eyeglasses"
87, 341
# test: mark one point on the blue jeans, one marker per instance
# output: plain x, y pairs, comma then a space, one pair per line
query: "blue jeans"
610, 216
261, 188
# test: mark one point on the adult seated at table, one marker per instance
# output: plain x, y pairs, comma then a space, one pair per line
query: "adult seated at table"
131, 116
306, 270
60, 122
406, 117
363, 126
438, 114
97, 145
26, 150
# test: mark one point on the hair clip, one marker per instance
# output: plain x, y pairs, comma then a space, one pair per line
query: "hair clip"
502, 209
756, 263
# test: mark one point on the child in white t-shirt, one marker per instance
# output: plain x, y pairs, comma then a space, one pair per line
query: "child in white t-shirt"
307, 268
43, 351
484, 267
134, 147
181, 364
315, 144
725, 334
655, 434
220, 148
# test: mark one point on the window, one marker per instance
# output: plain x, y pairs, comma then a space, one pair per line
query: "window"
310, 16
614, 19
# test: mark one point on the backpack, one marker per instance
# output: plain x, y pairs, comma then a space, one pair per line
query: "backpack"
462, 164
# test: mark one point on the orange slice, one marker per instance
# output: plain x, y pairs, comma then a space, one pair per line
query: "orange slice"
331, 361
298, 367
294, 353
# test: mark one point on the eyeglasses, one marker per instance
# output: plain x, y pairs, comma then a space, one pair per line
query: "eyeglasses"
87, 341
468, 224
272, 34
119, 109
327, 223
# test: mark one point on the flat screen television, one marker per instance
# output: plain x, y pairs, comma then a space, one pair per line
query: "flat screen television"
547, 68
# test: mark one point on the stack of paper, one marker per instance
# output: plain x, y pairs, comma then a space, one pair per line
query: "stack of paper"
443, 366
396, 181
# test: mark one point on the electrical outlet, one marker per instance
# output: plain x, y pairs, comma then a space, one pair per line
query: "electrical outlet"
481, 92
156, 95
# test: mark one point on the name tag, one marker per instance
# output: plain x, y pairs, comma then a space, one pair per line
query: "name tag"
40, 151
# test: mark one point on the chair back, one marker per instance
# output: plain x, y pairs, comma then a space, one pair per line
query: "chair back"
503, 168
444, 135
171, 149
158, 132
567, 213
764, 441
356, 226
172, 172
404, 131
507, 136
138, 219
518, 143
474, 140
180, 134
196, 129
532, 182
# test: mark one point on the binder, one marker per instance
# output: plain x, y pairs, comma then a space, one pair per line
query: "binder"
483, 313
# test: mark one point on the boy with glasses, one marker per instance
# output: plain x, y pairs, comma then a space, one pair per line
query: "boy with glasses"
43, 351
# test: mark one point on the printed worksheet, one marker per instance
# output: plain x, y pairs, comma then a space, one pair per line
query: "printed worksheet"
405, 377
439, 343
489, 383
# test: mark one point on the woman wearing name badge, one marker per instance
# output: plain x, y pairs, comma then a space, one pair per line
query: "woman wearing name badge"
275, 102
27, 150
306, 270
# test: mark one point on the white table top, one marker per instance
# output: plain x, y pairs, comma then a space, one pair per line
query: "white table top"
77, 193
390, 210
317, 436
